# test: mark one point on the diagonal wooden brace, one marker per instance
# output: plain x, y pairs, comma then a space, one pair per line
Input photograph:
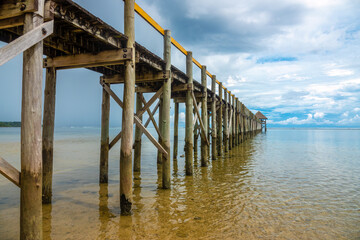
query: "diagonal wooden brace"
151, 116
195, 117
150, 137
137, 121
25, 41
8, 171
199, 119
150, 102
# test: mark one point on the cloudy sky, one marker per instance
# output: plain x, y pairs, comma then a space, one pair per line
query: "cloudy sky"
297, 61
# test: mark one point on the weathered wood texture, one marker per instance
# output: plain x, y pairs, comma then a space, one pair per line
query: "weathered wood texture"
26, 41
202, 126
176, 131
110, 57
31, 154
213, 120
189, 129
204, 118
230, 119
138, 133
226, 122
8, 171
48, 134
141, 77
9, 9
165, 133
104, 144
128, 114
220, 122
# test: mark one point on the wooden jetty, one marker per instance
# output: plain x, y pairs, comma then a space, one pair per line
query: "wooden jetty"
71, 37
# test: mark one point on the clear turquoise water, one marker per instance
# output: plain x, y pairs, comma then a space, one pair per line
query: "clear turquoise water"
285, 184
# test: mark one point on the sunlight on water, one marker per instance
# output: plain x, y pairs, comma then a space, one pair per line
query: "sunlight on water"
285, 184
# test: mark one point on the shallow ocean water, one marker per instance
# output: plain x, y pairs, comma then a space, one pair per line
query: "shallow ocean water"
285, 184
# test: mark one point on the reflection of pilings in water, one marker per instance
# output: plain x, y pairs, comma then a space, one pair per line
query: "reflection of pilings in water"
175, 167
47, 221
137, 191
104, 212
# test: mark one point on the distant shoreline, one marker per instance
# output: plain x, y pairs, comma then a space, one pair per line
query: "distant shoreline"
10, 124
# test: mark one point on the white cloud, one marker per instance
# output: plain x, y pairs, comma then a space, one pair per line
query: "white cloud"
182, 117
350, 121
319, 115
340, 73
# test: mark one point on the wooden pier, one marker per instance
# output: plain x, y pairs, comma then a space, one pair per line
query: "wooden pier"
71, 37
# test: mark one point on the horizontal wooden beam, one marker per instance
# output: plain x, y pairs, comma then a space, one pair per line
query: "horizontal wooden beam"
182, 87
25, 41
104, 58
139, 78
145, 89
8, 171
12, 22
11, 8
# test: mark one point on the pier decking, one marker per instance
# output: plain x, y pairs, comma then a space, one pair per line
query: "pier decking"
71, 37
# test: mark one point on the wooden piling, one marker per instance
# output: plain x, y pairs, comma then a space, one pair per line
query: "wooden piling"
230, 116
159, 154
204, 118
236, 122
48, 134
189, 118
128, 113
31, 152
220, 122
138, 133
213, 120
196, 138
176, 131
104, 145
233, 121
166, 113
226, 122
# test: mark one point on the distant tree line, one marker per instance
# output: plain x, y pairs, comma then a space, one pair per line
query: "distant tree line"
10, 124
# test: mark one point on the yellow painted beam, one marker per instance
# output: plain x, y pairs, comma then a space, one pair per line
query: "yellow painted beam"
158, 28
149, 19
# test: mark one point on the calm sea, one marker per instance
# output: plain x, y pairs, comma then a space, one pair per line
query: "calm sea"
285, 184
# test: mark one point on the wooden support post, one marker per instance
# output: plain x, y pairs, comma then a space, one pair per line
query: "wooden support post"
265, 126
176, 131
159, 157
104, 149
128, 114
233, 121
196, 138
138, 133
230, 118
226, 122
237, 122
213, 120
31, 152
220, 122
189, 144
48, 134
204, 118
165, 132
242, 123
